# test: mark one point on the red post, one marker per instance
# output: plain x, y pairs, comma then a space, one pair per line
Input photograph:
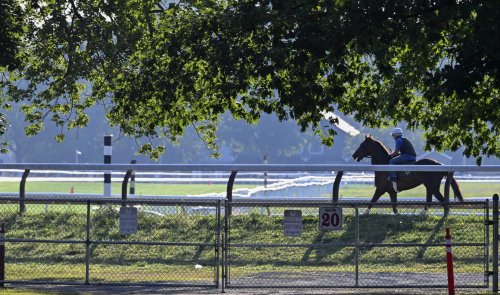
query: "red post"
2, 254
449, 263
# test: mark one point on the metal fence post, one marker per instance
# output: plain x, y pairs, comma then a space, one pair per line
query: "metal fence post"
225, 246
336, 185
217, 243
356, 249
487, 224
227, 214
2, 254
495, 243
87, 246
124, 187
229, 191
22, 191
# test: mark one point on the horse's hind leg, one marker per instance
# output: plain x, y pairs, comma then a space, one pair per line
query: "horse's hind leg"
394, 201
440, 198
428, 198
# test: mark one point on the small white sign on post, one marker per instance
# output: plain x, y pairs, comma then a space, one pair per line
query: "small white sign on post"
330, 218
128, 220
293, 223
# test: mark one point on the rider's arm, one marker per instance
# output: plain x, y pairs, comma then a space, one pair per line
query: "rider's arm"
399, 143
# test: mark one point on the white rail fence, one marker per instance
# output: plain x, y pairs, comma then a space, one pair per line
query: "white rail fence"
271, 181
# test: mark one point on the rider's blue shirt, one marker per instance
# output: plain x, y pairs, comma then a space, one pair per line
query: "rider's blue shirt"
399, 143
400, 146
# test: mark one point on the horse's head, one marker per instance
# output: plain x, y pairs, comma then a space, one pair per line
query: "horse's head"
363, 150
374, 149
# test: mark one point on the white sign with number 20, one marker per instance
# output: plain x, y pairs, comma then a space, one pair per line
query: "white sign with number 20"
330, 218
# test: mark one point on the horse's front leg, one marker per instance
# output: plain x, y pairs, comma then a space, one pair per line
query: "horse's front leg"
378, 193
394, 201
428, 198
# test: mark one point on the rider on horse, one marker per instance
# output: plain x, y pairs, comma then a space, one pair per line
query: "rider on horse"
404, 154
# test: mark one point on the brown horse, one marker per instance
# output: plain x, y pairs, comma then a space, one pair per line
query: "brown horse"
380, 155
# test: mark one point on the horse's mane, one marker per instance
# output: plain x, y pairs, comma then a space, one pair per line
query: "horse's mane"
380, 144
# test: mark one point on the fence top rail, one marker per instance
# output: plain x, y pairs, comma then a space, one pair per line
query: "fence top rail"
241, 203
354, 203
251, 167
104, 201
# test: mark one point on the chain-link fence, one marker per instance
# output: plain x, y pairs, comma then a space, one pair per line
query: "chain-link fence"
377, 249
76, 241
259, 244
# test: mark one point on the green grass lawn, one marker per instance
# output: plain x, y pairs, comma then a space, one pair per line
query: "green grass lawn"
21, 290
151, 189
469, 189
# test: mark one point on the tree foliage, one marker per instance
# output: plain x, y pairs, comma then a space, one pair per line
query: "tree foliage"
11, 29
159, 68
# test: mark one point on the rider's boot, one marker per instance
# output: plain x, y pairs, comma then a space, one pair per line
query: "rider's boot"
395, 186
394, 181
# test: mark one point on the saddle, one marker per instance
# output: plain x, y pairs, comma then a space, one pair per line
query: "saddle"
405, 173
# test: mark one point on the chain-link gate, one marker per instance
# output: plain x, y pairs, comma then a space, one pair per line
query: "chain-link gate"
375, 250
77, 241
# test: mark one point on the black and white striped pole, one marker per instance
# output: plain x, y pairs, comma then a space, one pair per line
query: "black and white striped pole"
108, 151
132, 180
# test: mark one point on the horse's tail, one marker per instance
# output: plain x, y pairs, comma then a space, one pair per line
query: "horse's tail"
456, 189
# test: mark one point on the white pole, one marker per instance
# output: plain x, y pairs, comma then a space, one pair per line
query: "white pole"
77, 153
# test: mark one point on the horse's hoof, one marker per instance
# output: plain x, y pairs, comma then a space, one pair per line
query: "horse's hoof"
367, 212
